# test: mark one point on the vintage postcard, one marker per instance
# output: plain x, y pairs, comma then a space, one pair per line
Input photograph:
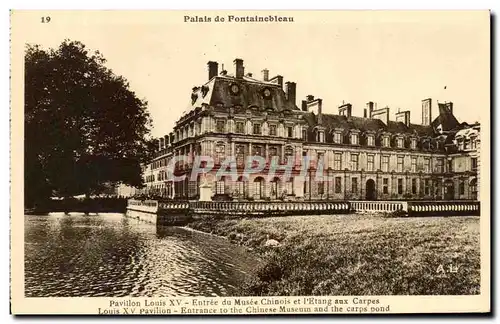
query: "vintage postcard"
237, 162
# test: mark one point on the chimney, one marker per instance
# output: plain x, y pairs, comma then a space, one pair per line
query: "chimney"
213, 69
369, 106
426, 111
310, 98
346, 110
381, 114
265, 75
167, 140
404, 117
320, 111
162, 143
239, 70
449, 105
304, 105
291, 92
365, 113
278, 80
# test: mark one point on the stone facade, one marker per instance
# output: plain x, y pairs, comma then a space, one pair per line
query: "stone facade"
360, 158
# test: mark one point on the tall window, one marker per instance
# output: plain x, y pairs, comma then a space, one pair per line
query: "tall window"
240, 127
289, 186
220, 153
273, 151
337, 161
338, 184
304, 134
385, 185
321, 158
321, 136
370, 162
240, 154
386, 141
427, 186
321, 188
400, 186
413, 143
289, 131
256, 129
413, 164
370, 140
385, 163
220, 186
427, 165
219, 126
240, 184
258, 150
414, 186
354, 162
461, 187
439, 165
288, 153
473, 164
337, 138
400, 163
272, 130
354, 139
354, 185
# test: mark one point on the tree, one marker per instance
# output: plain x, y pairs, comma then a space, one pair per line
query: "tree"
83, 125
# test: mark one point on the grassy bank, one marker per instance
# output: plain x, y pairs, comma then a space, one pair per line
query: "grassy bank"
358, 254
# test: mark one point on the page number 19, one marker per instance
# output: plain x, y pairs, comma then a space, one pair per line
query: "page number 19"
45, 19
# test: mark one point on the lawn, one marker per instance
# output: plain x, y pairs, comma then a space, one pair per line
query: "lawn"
358, 254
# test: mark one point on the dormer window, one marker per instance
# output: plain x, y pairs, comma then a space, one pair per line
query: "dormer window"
272, 130
370, 140
256, 129
219, 127
337, 138
321, 136
354, 139
289, 131
386, 141
414, 143
240, 127
400, 142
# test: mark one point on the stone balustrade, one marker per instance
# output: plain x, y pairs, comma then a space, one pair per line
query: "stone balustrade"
270, 208
379, 206
437, 208
181, 211
147, 206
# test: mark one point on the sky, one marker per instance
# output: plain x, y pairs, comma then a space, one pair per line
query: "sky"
395, 59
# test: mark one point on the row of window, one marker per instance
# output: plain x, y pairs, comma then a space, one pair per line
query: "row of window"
467, 144
220, 187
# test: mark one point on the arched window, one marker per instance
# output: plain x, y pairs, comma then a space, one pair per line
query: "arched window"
275, 188
241, 187
259, 188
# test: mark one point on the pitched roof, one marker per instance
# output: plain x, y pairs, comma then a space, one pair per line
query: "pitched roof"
331, 121
218, 91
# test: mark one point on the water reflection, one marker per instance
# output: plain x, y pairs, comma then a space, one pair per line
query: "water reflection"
111, 255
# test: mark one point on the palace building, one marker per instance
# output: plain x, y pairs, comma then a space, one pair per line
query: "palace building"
372, 157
